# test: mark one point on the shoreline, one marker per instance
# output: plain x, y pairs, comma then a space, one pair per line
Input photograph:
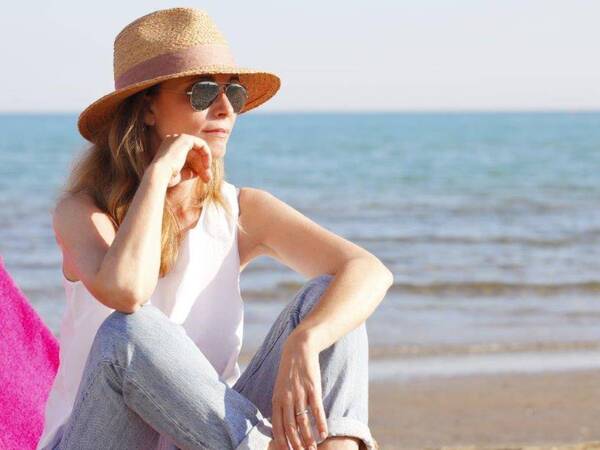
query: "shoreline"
386, 367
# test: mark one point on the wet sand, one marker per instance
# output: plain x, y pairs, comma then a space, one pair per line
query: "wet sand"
558, 410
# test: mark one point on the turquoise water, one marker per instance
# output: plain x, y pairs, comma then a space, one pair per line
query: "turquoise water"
489, 221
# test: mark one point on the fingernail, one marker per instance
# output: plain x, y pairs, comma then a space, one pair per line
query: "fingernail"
323, 435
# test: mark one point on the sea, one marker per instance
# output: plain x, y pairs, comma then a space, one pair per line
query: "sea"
489, 221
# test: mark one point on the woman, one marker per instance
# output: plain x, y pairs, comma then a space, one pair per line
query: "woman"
153, 241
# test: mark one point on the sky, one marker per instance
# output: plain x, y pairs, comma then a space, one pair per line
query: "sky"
374, 55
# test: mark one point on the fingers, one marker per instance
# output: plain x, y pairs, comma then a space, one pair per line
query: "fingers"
303, 420
298, 390
198, 165
188, 173
278, 430
290, 427
201, 157
198, 145
289, 424
315, 399
175, 179
201, 146
198, 155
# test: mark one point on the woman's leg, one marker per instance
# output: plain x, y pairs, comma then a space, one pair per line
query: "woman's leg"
344, 369
143, 377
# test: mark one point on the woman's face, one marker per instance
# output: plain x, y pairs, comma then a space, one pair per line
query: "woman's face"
171, 113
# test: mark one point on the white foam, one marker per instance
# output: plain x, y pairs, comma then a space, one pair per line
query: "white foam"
453, 365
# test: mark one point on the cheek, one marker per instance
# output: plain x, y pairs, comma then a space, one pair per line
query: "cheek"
181, 119
199, 121
173, 112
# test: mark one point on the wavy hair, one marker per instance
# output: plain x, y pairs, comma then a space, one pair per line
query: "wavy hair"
111, 168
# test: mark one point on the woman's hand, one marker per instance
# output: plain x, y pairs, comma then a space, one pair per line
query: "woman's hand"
297, 387
185, 156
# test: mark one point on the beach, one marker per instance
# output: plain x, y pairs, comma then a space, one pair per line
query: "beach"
503, 408
548, 409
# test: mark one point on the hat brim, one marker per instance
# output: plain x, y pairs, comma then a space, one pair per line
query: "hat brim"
261, 86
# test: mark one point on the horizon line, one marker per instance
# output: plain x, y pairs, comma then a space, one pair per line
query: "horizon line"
364, 111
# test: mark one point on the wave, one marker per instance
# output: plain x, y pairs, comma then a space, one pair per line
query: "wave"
416, 350
495, 288
285, 290
534, 241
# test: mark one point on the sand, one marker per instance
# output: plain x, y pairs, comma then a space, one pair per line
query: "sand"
558, 410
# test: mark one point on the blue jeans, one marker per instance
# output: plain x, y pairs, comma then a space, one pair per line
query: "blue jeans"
144, 377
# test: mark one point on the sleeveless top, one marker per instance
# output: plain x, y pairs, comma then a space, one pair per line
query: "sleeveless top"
201, 292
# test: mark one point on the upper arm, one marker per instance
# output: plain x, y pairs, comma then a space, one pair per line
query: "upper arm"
84, 234
282, 232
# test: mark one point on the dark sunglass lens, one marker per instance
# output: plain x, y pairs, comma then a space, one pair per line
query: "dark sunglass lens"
203, 93
237, 95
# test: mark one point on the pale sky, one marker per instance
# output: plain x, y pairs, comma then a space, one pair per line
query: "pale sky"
376, 55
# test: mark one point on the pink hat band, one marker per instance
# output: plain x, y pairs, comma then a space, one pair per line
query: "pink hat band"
180, 61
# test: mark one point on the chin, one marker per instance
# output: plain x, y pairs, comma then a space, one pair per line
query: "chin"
217, 151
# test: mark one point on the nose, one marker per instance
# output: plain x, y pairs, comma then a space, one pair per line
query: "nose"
222, 106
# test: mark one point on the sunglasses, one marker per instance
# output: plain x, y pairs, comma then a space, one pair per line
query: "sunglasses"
204, 93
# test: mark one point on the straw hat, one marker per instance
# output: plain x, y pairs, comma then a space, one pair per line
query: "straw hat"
166, 44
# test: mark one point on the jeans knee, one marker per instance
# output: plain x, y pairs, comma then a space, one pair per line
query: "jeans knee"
121, 329
311, 292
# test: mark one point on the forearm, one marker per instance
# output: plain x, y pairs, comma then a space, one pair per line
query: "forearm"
351, 297
132, 262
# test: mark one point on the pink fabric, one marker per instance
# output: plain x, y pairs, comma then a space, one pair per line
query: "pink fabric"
174, 62
29, 359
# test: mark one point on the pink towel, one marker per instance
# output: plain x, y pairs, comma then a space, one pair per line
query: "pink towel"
29, 358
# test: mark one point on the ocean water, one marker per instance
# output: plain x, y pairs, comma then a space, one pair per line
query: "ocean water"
489, 221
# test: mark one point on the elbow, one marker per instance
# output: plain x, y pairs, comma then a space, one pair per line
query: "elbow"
387, 274
119, 295
122, 300
388, 279
378, 269
390, 276
131, 302
129, 307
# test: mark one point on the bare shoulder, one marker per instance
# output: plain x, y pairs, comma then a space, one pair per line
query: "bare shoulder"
84, 233
252, 196
258, 208
251, 202
73, 211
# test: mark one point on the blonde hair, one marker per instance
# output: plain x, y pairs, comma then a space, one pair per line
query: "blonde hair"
111, 168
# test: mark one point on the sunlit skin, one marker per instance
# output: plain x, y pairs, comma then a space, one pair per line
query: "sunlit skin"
172, 113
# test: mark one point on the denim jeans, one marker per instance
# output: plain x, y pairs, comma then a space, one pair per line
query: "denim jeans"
144, 377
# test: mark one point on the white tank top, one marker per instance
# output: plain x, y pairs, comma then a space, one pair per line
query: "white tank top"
201, 292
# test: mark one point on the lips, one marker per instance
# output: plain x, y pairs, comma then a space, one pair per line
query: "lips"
216, 130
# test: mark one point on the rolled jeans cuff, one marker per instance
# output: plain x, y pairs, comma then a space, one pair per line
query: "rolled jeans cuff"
348, 426
261, 434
